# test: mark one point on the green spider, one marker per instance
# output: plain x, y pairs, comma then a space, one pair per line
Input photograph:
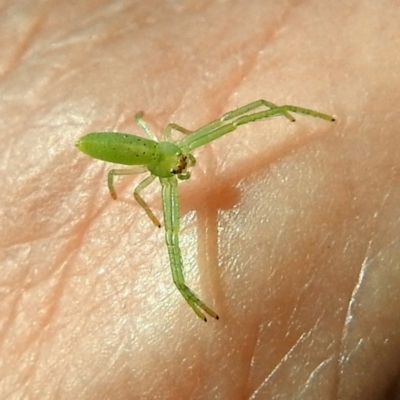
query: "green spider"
170, 161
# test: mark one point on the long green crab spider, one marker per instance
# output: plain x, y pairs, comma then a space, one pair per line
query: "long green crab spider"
170, 161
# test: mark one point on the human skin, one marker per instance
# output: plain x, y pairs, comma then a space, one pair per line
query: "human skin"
290, 231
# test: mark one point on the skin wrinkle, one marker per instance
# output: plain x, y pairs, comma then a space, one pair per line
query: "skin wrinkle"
281, 363
314, 374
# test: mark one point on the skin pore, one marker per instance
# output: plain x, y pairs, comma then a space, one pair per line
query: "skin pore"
288, 230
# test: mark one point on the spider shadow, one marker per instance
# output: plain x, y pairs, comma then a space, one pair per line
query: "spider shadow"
221, 192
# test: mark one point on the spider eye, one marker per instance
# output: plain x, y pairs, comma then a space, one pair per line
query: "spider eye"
181, 167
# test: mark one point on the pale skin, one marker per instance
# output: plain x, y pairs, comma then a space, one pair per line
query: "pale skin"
292, 214
171, 161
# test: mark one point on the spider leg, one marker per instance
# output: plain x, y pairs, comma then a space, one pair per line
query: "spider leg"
281, 110
116, 172
142, 185
138, 189
218, 128
226, 117
171, 222
250, 107
141, 122
176, 127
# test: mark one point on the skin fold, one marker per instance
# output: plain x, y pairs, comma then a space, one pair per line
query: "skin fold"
289, 231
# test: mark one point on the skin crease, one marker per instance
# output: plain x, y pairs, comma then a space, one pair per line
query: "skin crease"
290, 231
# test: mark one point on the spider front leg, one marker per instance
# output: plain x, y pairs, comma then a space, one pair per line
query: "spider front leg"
138, 189
250, 107
281, 110
171, 222
231, 120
